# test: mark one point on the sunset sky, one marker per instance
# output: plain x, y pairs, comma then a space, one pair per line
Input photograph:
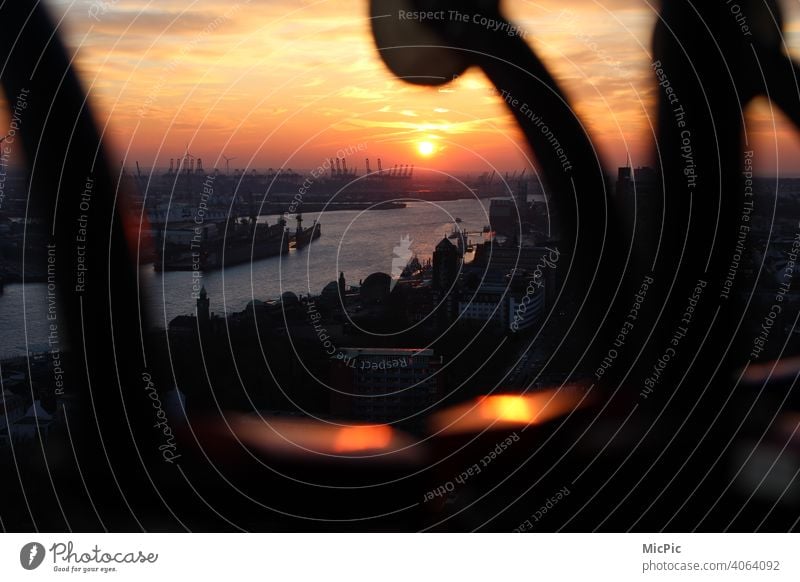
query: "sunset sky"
288, 82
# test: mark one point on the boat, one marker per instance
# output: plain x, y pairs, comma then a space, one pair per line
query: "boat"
387, 205
303, 237
216, 245
286, 206
456, 232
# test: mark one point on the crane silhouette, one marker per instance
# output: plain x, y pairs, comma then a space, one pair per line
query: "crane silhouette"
228, 164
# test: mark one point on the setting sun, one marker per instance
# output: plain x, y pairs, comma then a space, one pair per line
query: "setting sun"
426, 148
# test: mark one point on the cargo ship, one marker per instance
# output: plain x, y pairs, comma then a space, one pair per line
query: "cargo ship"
286, 205
220, 244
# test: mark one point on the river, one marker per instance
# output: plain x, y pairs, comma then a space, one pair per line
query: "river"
357, 243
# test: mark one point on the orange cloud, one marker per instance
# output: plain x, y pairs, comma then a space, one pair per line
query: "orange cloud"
286, 81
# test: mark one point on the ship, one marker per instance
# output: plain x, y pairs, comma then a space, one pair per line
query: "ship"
287, 205
387, 205
303, 237
207, 247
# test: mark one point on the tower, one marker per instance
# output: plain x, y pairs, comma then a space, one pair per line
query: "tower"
445, 271
203, 314
445, 265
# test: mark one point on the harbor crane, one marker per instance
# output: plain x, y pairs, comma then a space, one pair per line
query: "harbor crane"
228, 164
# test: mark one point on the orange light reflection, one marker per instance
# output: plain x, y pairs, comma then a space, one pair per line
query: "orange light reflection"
352, 439
509, 410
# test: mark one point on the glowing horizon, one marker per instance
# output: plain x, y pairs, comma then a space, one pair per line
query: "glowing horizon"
287, 84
